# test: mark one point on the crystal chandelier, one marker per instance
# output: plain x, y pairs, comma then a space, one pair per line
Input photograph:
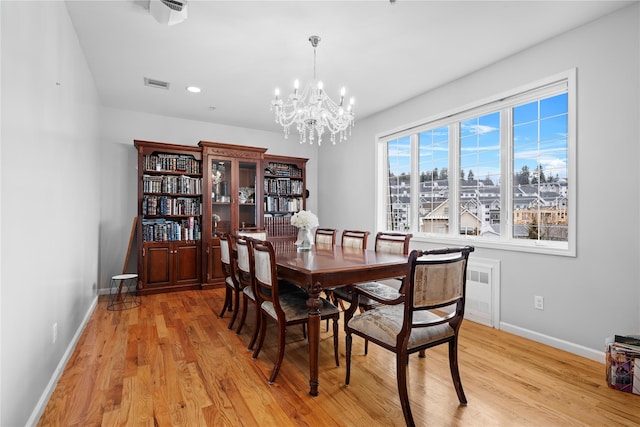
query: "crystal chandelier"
312, 111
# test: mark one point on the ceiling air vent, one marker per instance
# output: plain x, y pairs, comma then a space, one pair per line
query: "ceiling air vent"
156, 83
168, 12
175, 5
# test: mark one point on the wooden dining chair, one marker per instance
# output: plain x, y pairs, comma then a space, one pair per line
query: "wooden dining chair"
258, 233
386, 242
286, 309
415, 321
233, 287
392, 243
326, 236
350, 239
245, 278
354, 239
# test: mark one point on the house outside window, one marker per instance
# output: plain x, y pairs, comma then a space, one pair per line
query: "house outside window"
514, 163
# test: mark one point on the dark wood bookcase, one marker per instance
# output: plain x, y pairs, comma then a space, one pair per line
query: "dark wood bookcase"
187, 195
284, 193
231, 174
169, 226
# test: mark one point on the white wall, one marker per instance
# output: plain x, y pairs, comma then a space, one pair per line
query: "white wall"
591, 296
119, 159
50, 199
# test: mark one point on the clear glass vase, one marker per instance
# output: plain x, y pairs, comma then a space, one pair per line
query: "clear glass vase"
305, 239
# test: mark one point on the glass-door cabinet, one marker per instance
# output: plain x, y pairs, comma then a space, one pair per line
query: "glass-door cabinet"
233, 177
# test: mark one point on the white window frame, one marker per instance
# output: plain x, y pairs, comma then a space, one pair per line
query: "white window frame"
502, 102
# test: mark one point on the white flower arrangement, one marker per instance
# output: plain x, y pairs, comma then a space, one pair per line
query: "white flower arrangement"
304, 219
215, 217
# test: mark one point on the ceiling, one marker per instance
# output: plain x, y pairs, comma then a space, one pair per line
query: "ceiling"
239, 51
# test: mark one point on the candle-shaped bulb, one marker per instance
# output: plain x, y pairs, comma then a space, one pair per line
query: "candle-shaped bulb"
343, 91
320, 86
277, 93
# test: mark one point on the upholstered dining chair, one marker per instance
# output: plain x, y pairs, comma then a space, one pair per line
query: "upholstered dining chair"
326, 236
415, 321
387, 242
354, 239
392, 243
232, 285
245, 278
350, 239
259, 234
286, 309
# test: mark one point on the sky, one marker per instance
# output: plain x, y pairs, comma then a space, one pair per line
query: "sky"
539, 138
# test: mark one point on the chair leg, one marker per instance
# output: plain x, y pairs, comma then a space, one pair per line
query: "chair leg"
255, 331
335, 339
349, 340
366, 346
244, 314
422, 354
455, 373
227, 301
236, 306
281, 341
402, 360
263, 329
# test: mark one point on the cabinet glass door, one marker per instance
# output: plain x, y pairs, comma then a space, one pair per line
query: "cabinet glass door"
220, 196
247, 196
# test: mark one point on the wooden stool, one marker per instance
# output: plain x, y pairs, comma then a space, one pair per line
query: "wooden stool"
123, 292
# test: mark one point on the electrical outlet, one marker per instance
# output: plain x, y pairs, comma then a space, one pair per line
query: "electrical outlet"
54, 333
538, 302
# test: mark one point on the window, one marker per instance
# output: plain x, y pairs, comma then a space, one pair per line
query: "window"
499, 172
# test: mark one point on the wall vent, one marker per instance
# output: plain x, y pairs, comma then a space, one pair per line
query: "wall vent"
156, 83
483, 292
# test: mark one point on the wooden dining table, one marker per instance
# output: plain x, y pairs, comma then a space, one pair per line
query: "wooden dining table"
326, 266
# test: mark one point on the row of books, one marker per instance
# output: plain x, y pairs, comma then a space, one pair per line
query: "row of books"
161, 230
623, 363
279, 226
172, 184
282, 169
282, 186
173, 163
282, 204
163, 205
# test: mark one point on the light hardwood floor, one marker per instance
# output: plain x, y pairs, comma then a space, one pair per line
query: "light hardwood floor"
173, 362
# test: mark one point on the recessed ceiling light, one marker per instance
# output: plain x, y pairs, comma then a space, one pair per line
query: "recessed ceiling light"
194, 89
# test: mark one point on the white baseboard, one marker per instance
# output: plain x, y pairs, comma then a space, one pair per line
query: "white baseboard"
570, 347
46, 394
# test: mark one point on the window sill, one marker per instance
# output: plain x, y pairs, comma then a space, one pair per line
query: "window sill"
537, 247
